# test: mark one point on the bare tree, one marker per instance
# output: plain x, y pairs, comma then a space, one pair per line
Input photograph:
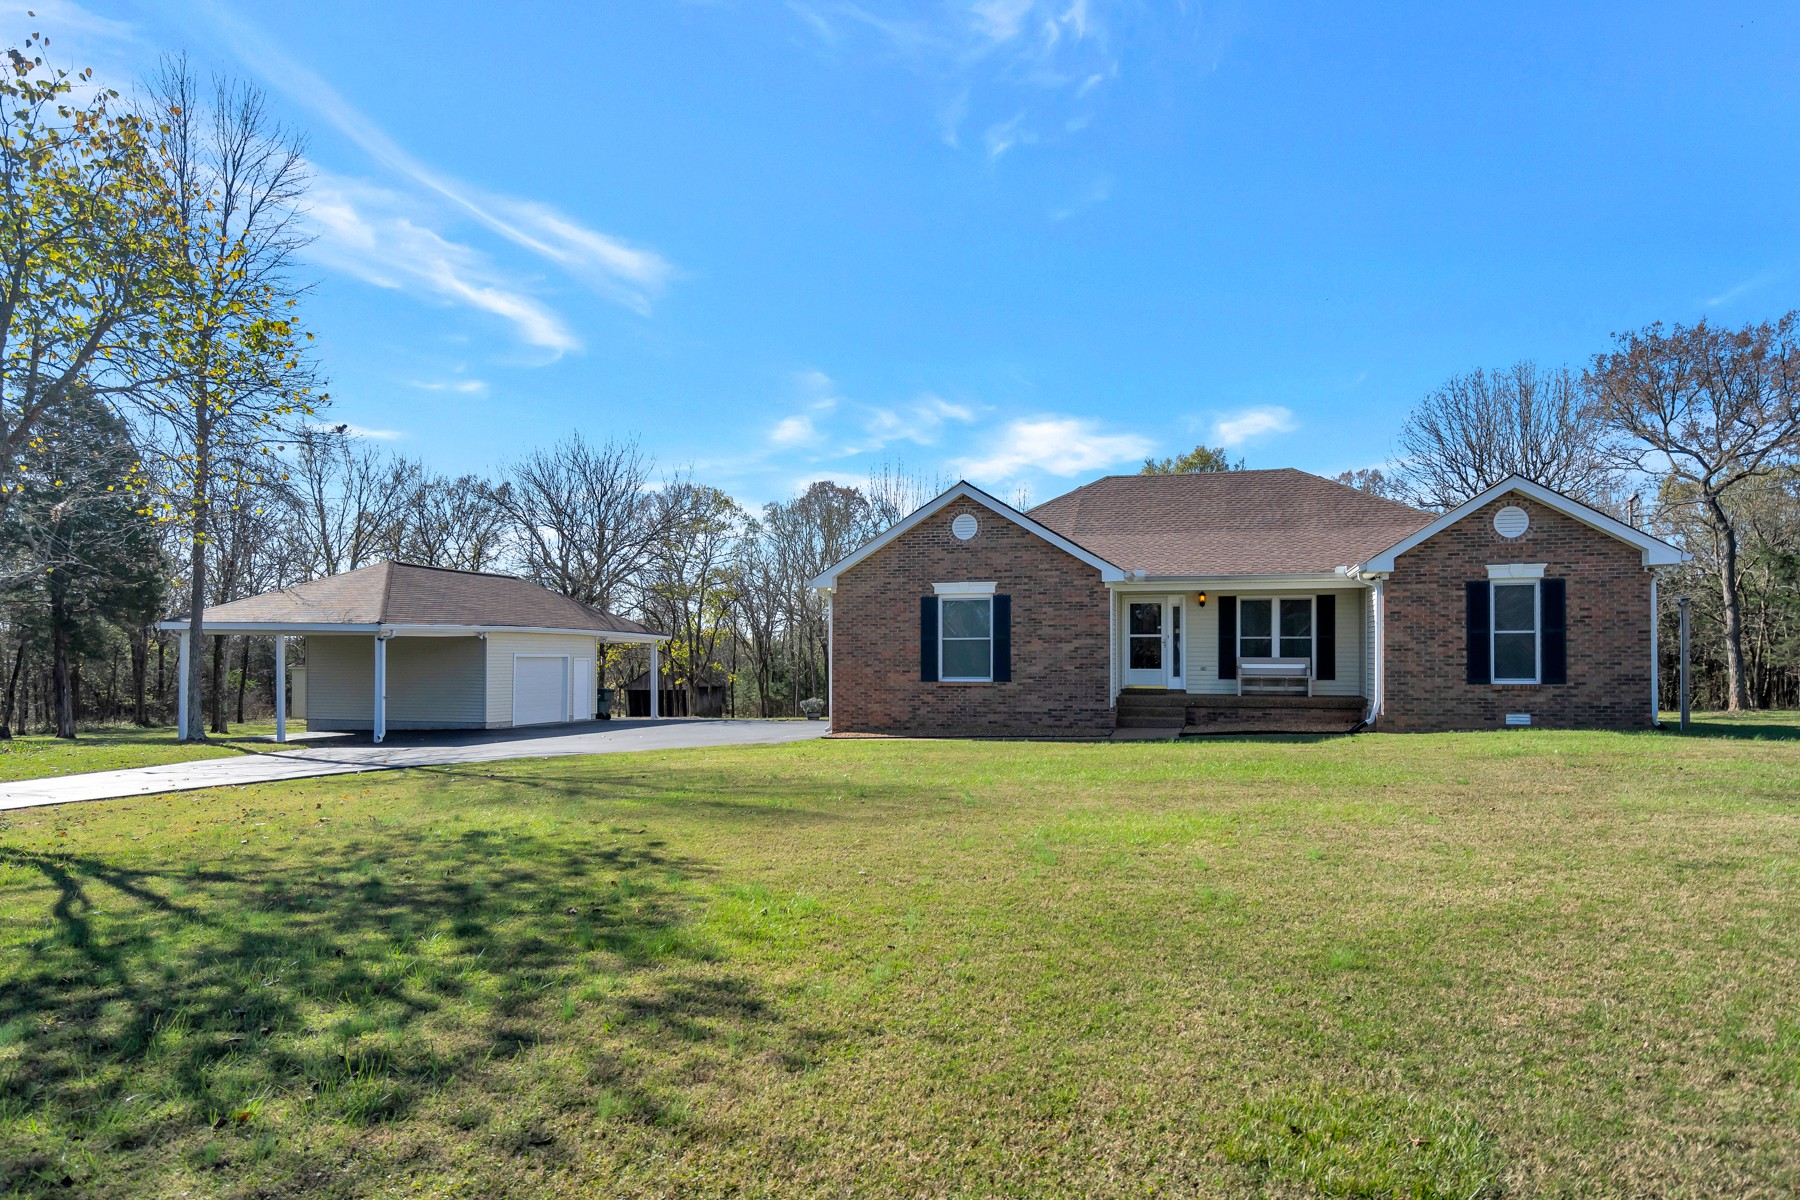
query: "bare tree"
348, 497
1479, 428
584, 518
1374, 481
225, 365
689, 588
443, 522
1712, 409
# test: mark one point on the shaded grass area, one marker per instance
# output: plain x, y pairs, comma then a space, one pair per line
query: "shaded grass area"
117, 747
1475, 965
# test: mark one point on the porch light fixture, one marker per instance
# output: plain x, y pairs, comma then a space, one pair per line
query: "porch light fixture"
1201, 599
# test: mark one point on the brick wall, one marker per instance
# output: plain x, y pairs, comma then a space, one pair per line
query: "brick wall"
1608, 627
1059, 632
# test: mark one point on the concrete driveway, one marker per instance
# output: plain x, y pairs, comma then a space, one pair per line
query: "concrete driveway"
406, 750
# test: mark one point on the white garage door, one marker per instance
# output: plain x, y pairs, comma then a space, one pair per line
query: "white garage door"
540, 689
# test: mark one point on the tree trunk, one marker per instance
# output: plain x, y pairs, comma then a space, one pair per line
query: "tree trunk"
197, 530
1737, 697
140, 674
221, 652
12, 692
243, 678
60, 683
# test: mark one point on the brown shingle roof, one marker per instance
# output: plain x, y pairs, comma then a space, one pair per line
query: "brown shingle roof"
392, 593
1228, 522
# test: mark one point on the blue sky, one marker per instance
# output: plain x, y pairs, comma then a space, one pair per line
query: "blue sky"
1023, 242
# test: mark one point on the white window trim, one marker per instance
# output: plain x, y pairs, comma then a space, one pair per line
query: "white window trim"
1516, 570
1275, 599
1537, 629
964, 589
988, 596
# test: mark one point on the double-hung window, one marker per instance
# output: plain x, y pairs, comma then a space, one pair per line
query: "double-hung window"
966, 639
1275, 628
1515, 632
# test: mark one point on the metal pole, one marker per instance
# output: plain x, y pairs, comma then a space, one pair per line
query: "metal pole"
655, 684
1682, 603
280, 688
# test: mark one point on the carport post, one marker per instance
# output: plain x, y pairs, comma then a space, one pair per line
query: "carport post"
280, 688
181, 692
655, 681
380, 730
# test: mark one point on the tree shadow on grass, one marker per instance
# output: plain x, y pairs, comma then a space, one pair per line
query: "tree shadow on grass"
1763, 727
210, 1015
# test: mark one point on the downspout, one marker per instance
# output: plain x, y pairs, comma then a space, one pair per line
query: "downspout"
1379, 690
1655, 660
830, 659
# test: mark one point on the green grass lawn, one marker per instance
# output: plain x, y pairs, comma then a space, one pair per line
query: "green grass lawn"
120, 746
1503, 964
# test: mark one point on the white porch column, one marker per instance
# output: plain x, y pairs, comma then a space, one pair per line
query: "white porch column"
181, 691
380, 730
655, 682
830, 658
280, 688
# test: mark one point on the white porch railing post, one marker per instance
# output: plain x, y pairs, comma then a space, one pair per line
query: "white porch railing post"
380, 730
655, 683
280, 688
181, 692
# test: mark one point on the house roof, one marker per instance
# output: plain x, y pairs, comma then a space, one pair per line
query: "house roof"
1210, 523
963, 488
395, 594
1655, 551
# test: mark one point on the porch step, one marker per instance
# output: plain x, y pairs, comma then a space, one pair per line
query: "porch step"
1199, 714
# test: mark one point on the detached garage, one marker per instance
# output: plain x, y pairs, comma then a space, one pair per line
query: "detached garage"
401, 646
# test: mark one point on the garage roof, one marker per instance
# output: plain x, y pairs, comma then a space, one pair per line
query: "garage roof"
390, 595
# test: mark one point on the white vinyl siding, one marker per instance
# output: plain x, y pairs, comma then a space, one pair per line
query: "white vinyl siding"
1201, 626
501, 647
432, 683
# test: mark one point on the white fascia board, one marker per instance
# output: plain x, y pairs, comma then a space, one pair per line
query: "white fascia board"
1656, 552
1517, 570
964, 589
295, 628
302, 628
963, 488
1188, 583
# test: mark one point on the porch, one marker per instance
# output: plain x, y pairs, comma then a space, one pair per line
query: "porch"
1186, 714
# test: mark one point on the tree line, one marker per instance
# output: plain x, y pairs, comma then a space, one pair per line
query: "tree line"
164, 446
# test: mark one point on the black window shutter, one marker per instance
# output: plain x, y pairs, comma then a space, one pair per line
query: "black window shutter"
1481, 668
1002, 639
1227, 637
1325, 645
928, 639
1553, 599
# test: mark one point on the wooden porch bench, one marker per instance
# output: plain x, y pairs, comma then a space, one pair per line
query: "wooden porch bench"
1275, 677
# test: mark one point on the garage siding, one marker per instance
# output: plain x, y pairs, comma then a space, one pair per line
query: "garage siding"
500, 650
432, 683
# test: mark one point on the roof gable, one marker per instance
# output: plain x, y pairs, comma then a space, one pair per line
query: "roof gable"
1655, 551
966, 490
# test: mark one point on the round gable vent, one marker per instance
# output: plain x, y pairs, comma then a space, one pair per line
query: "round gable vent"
1511, 521
964, 526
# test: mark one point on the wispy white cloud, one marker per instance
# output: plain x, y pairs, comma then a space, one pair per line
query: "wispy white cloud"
631, 275
464, 387
1097, 192
1747, 286
369, 232
1000, 20
1054, 445
1002, 136
1234, 429
921, 421
793, 431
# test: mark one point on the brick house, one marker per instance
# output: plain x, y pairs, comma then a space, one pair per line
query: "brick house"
1243, 601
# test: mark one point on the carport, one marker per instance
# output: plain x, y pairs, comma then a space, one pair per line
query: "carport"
403, 646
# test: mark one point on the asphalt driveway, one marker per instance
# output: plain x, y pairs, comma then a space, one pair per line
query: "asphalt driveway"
406, 750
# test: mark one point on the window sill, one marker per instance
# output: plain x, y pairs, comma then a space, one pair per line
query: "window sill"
965, 682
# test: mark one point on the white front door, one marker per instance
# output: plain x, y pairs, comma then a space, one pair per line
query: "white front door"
1152, 646
540, 689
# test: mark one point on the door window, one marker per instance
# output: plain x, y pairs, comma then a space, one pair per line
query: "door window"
1146, 637
1256, 629
1296, 628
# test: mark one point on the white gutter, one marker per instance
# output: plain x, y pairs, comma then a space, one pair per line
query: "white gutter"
301, 628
